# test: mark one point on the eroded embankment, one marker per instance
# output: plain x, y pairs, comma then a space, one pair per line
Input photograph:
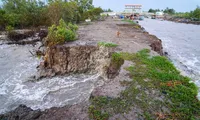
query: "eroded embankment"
76, 58
154, 89
154, 43
73, 58
182, 20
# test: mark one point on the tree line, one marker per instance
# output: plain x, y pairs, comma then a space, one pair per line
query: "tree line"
167, 10
194, 15
34, 13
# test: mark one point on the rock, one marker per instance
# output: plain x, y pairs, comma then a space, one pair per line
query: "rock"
74, 112
3, 37
166, 53
33, 41
21, 113
16, 36
157, 46
78, 58
42, 34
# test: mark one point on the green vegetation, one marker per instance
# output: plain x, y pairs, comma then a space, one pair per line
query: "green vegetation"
68, 11
129, 21
97, 114
157, 89
9, 28
61, 33
93, 14
117, 60
193, 15
34, 13
22, 13
167, 10
136, 26
108, 10
106, 44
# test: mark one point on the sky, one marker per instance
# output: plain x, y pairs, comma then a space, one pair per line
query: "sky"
119, 5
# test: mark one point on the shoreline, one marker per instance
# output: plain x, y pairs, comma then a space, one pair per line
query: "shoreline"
139, 40
181, 20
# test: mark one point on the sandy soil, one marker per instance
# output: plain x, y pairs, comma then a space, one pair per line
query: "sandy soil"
130, 40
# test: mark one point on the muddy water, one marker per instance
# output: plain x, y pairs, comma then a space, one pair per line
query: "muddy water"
182, 42
17, 65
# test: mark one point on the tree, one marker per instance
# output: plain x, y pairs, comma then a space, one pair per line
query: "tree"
28, 13
196, 13
2, 18
68, 11
108, 10
84, 4
92, 13
169, 11
55, 11
151, 10
154, 11
24, 12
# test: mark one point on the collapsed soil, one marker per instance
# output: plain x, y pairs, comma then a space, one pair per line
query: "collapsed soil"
131, 39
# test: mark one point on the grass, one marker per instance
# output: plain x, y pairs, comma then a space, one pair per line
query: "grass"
136, 26
129, 21
106, 44
117, 60
157, 88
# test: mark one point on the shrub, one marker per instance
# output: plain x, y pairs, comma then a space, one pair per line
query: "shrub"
70, 35
9, 28
103, 17
61, 33
73, 27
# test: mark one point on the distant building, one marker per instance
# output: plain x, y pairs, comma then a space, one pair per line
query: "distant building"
159, 15
133, 8
109, 13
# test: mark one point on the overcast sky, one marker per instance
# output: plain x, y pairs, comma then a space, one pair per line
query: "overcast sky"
178, 5
118, 5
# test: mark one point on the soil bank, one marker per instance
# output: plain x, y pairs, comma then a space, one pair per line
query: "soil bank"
132, 38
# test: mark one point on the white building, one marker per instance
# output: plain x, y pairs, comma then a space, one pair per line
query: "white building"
133, 8
159, 14
109, 13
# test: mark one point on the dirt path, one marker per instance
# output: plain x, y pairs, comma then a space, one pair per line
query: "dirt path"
130, 40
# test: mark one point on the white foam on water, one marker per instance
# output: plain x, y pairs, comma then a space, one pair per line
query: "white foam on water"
16, 88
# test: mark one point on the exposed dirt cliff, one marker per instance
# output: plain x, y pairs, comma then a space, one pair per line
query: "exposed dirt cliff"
79, 58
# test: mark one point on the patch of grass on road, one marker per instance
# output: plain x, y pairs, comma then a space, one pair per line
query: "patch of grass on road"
129, 21
107, 44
